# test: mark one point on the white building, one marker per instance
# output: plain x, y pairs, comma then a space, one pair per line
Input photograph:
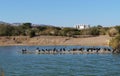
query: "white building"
82, 26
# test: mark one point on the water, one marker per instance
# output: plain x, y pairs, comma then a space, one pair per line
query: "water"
17, 64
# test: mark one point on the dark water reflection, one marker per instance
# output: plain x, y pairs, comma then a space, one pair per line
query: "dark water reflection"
16, 64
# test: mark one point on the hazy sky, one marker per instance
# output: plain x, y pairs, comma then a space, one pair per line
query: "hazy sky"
61, 12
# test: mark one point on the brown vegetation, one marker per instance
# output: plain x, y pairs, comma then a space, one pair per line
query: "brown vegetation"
54, 40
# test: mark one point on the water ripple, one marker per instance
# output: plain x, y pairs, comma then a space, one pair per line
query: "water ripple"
58, 65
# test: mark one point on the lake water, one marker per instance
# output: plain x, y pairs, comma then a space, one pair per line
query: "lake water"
14, 63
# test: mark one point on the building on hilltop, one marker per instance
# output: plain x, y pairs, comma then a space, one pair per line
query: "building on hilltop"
82, 26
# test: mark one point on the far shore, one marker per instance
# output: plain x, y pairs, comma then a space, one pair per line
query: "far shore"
102, 40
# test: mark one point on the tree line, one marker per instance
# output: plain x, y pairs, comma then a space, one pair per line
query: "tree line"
26, 29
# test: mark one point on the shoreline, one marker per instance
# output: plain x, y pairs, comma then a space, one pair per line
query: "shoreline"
101, 40
52, 45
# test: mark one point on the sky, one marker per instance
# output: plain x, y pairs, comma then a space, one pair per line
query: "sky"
61, 12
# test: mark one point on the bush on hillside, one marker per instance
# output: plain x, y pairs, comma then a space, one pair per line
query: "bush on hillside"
31, 33
94, 31
112, 32
118, 28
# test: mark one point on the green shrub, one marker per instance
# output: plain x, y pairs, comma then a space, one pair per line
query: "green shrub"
94, 31
31, 33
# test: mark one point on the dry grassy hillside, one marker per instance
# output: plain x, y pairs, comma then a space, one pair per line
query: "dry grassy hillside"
54, 40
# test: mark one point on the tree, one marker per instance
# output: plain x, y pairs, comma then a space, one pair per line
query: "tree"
27, 25
94, 31
6, 30
99, 26
42, 28
31, 33
24, 28
102, 31
69, 32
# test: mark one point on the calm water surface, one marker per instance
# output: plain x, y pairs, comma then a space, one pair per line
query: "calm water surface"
17, 64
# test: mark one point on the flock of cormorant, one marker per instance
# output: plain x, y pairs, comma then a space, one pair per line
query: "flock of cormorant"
81, 50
